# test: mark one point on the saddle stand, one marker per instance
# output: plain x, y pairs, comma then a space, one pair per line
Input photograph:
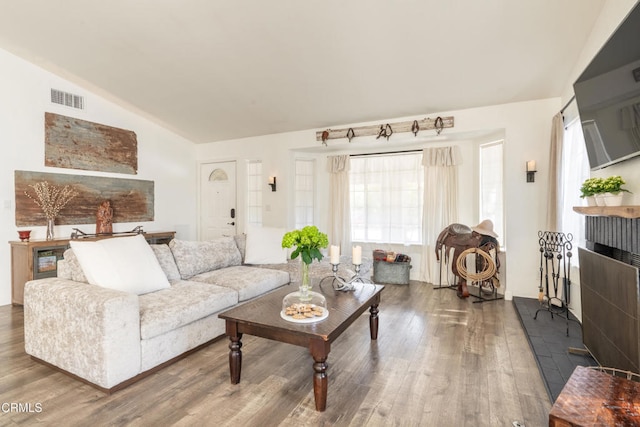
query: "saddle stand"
460, 239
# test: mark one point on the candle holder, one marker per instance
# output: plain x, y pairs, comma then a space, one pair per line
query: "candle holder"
24, 235
340, 284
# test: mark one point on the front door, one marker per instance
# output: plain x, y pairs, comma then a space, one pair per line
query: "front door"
218, 216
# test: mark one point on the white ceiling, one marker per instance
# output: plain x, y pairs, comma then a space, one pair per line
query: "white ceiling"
213, 70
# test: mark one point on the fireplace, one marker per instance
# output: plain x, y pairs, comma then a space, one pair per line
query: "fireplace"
610, 288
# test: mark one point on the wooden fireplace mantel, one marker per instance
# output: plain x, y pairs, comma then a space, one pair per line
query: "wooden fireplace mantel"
619, 211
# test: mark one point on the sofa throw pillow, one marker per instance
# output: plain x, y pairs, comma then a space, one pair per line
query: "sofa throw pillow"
199, 257
241, 242
166, 261
264, 246
122, 263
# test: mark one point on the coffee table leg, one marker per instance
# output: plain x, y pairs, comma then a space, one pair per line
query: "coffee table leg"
373, 321
235, 354
320, 352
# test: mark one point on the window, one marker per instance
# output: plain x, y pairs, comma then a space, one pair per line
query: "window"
386, 198
254, 192
304, 192
491, 191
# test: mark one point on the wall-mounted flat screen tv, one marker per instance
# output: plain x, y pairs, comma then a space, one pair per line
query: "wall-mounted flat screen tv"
608, 97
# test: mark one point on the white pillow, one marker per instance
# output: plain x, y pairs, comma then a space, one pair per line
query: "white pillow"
264, 245
123, 263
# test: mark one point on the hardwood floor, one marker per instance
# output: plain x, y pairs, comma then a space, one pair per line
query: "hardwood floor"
438, 361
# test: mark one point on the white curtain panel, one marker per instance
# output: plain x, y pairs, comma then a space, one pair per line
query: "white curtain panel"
554, 193
440, 203
575, 169
339, 206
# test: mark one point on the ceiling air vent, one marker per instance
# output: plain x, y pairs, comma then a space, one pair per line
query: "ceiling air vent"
68, 99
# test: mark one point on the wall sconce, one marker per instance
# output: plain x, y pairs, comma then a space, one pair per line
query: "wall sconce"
531, 171
272, 183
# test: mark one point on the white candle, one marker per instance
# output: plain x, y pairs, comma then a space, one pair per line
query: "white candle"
357, 255
334, 254
531, 166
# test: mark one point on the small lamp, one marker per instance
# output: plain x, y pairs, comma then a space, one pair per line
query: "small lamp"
272, 183
531, 171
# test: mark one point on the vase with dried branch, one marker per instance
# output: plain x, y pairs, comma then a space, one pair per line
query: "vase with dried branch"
52, 200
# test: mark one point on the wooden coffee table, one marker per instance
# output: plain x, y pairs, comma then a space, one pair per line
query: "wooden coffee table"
261, 317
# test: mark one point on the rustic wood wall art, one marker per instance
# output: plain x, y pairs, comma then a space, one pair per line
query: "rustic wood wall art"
131, 200
78, 144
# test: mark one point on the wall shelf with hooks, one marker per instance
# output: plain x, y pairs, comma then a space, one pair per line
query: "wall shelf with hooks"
414, 126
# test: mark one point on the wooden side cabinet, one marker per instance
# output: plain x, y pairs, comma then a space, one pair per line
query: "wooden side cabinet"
38, 259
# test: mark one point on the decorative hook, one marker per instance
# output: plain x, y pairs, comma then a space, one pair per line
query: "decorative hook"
325, 136
438, 125
350, 134
385, 131
415, 128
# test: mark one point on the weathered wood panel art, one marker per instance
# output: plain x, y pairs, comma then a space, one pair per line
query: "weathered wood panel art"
78, 144
132, 200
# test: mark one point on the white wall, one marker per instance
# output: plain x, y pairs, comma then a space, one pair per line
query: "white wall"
163, 157
611, 16
526, 127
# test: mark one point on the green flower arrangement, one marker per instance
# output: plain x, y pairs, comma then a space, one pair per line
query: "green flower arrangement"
613, 185
591, 187
308, 242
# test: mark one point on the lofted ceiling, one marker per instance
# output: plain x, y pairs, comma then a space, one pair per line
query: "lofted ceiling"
214, 70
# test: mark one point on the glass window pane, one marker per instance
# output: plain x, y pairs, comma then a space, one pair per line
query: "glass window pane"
304, 192
491, 190
254, 192
386, 198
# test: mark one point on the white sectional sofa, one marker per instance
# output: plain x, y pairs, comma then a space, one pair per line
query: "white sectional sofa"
109, 336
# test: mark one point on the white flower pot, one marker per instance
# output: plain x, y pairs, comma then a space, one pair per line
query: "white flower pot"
599, 199
611, 199
591, 201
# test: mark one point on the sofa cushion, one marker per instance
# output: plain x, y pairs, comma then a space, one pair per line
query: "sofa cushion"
197, 257
184, 302
69, 267
264, 245
123, 263
166, 261
249, 282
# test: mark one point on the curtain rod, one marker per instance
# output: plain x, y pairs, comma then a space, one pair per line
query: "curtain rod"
573, 98
388, 152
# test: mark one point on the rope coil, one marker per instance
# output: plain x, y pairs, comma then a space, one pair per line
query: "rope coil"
488, 272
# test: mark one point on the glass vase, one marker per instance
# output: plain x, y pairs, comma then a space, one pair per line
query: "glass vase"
305, 282
51, 222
